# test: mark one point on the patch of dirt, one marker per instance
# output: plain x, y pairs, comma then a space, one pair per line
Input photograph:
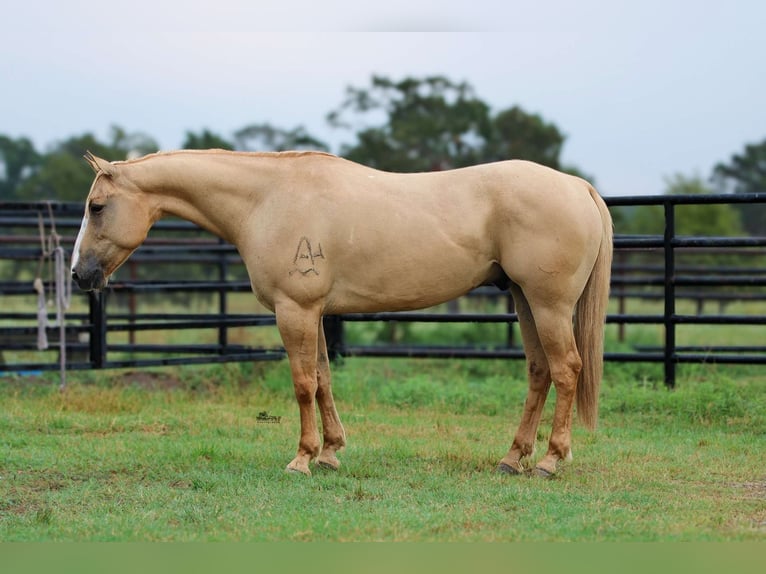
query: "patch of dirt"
752, 489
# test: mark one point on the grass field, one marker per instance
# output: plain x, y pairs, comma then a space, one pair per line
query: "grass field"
179, 455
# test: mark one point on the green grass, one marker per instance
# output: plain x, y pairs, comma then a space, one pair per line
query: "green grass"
180, 455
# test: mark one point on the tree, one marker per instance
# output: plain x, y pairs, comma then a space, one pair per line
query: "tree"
435, 123
269, 138
746, 173
63, 175
517, 134
711, 220
430, 123
131, 144
714, 220
205, 140
18, 160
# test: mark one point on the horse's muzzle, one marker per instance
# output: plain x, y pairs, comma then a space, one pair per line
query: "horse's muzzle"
89, 277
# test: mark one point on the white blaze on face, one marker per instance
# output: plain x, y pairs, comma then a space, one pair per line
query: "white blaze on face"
78, 241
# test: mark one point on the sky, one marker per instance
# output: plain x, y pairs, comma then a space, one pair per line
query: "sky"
642, 90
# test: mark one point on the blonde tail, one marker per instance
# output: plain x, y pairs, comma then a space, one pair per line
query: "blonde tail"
589, 322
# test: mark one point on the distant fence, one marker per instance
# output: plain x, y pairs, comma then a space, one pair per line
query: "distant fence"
645, 268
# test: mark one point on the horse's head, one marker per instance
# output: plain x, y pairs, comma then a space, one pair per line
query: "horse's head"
116, 221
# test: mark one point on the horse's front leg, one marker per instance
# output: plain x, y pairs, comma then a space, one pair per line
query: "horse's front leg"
298, 327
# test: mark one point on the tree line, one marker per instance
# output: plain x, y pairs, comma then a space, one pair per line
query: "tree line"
407, 125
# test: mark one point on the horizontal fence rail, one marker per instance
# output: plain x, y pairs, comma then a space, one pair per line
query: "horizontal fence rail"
646, 268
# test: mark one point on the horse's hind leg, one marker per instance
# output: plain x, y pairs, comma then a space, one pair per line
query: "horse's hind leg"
332, 429
556, 334
298, 328
539, 378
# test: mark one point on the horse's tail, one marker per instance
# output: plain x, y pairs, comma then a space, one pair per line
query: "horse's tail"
589, 321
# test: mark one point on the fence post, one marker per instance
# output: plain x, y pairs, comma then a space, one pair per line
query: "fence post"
223, 270
669, 316
334, 336
132, 306
97, 302
621, 299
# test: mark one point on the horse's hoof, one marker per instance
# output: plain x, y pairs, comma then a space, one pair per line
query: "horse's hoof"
542, 473
328, 460
504, 468
291, 469
327, 465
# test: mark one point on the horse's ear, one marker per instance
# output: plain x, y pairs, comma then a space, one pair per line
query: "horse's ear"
98, 164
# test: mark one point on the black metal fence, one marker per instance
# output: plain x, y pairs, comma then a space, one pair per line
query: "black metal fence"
664, 268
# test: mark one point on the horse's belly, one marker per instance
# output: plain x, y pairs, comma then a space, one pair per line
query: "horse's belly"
404, 288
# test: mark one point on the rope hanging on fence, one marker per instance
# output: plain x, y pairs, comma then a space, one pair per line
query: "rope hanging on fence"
61, 286
42, 315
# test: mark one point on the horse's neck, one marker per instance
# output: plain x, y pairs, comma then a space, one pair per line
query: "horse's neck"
215, 191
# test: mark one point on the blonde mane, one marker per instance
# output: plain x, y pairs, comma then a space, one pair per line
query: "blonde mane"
274, 154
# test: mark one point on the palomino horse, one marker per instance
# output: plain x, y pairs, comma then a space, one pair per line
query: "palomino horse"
323, 235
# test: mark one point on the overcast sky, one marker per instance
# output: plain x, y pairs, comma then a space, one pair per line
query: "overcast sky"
643, 90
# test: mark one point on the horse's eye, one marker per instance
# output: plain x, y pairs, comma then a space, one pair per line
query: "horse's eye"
96, 208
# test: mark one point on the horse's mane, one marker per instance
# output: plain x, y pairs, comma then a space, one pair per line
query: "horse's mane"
274, 154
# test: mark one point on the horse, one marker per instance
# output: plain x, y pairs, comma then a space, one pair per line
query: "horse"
322, 235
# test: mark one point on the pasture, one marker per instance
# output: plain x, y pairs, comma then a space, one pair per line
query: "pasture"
181, 455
